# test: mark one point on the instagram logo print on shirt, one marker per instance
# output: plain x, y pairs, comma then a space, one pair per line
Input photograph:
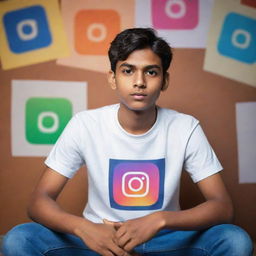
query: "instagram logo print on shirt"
94, 30
136, 184
238, 38
27, 29
175, 14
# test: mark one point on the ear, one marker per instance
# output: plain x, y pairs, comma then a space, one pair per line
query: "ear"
165, 81
112, 79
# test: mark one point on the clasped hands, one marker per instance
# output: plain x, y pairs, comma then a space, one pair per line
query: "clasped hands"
134, 232
118, 238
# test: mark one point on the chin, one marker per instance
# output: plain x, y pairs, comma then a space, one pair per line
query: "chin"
139, 107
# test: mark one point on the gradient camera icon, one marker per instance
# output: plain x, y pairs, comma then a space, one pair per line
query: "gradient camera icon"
136, 184
175, 14
238, 38
27, 29
45, 119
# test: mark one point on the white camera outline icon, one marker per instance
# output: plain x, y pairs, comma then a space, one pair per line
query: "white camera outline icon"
171, 14
103, 32
142, 183
55, 125
34, 29
247, 38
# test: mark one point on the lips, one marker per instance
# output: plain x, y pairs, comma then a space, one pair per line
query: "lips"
138, 96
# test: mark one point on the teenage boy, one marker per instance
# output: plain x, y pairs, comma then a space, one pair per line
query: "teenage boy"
134, 152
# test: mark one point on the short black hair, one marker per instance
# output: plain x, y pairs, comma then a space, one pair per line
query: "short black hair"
133, 39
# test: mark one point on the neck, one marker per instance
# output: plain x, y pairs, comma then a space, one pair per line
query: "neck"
137, 122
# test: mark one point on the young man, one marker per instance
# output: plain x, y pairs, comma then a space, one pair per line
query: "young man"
134, 152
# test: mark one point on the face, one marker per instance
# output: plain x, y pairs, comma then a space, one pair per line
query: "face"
139, 80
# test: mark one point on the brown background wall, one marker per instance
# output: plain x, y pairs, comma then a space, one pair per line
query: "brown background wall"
207, 96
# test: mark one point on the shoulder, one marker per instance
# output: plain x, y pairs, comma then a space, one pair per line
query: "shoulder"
88, 122
177, 119
95, 115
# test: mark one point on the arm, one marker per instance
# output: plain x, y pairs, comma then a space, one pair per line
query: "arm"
216, 209
44, 209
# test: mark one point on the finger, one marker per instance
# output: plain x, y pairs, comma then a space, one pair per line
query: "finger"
123, 240
117, 250
128, 254
130, 245
108, 253
120, 232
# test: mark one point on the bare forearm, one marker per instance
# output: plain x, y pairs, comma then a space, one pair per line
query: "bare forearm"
98, 237
46, 211
209, 213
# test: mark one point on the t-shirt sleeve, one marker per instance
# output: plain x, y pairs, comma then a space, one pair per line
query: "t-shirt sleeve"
200, 159
65, 156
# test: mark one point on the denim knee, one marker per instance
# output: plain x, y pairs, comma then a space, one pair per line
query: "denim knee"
234, 240
17, 239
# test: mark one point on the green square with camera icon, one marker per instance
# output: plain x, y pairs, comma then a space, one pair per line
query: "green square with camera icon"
45, 119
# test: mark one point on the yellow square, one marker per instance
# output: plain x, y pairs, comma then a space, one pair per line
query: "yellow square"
31, 31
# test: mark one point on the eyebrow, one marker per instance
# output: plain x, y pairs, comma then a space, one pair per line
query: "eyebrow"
146, 67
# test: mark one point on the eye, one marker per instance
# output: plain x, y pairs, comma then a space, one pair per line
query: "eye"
152, 72
127, 71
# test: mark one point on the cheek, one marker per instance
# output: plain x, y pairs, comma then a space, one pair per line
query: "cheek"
155, 87
155, 95
122, 92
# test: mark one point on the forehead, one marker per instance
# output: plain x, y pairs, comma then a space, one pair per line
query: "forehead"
142, 58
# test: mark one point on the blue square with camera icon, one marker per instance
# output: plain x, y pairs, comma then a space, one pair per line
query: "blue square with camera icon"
27, 29
238, 38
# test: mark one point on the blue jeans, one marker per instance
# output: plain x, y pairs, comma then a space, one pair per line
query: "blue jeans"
33, 239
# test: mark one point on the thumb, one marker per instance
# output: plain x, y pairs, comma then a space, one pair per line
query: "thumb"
108, 222
117, 225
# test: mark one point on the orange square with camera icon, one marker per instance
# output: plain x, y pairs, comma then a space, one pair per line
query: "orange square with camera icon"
94, 30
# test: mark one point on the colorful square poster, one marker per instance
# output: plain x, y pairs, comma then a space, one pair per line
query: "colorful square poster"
91, 25
31, 31
183, 23
40, 112
231, 47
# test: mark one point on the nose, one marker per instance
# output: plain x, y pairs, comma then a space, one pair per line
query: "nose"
139, 80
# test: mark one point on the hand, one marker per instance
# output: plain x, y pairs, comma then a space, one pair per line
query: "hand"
131, 233
101, 239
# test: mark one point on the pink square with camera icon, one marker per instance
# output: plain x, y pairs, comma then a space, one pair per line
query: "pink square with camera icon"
175, 14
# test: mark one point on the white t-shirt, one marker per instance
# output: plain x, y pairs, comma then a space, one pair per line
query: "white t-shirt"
130, 176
